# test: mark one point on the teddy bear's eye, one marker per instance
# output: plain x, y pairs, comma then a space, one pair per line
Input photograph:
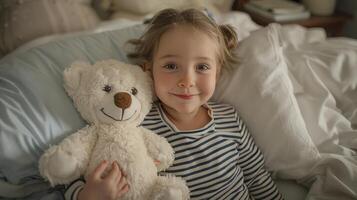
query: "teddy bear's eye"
134, 91
107, 88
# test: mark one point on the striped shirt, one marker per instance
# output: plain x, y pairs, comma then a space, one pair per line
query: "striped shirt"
217, 161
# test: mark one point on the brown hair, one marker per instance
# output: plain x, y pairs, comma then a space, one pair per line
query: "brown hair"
225, 35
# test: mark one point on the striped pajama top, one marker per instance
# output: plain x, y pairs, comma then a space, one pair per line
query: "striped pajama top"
217, 161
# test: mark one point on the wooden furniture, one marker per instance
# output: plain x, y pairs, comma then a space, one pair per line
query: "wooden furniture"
332, 24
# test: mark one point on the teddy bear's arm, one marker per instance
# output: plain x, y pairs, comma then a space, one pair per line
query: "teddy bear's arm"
158, 148
65, 162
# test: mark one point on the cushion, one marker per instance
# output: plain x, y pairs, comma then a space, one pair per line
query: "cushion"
142, 9
261, 90
22, 21
151, 6
35, 111
139, 9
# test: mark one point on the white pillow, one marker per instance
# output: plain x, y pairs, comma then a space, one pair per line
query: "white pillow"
263, 94
22, 21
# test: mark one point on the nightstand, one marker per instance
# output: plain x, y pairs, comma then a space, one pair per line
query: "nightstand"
332, 24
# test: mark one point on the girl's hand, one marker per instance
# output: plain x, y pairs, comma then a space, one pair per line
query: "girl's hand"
157, 162
104, 186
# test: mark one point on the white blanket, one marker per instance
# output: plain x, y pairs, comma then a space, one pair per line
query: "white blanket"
297, 92
326, 75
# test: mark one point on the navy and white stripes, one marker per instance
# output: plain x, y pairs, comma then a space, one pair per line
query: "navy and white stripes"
218, 161
73, 189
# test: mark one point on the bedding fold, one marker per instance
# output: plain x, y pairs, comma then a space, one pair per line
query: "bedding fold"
326, 70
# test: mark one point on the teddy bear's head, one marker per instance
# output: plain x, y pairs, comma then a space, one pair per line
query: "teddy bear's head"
109, 91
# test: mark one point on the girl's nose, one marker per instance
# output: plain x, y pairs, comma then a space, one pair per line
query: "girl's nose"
184, 85
186, 81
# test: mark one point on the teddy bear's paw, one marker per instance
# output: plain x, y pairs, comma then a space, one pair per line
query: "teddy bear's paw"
59, 167
165, 160
171, 194
171, 188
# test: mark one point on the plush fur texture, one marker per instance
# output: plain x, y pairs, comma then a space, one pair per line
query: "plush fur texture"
113, 97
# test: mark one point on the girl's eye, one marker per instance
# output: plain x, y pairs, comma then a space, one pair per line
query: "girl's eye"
202, 67
134, 91
107, 88
170, 66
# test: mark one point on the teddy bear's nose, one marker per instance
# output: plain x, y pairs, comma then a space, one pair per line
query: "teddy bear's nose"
122, 100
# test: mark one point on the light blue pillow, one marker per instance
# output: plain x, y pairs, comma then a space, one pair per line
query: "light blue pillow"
35, 111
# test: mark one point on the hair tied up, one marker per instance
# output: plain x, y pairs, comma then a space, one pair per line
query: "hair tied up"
229, 35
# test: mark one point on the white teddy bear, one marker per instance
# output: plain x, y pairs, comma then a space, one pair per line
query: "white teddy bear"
114, 98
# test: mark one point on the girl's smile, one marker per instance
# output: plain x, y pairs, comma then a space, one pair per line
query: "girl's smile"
185, 96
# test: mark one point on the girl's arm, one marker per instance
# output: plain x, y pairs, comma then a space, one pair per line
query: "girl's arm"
72, 190
99, 184
257, 179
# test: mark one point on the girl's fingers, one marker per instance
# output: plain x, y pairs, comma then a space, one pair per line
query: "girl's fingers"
97, 174
122, 191
115, 172
157, 162
122, 186
122, 182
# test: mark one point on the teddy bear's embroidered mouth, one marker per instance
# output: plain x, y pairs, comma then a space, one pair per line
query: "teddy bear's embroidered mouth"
115, 118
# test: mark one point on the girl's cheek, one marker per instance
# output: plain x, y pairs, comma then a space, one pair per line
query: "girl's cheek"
162, 77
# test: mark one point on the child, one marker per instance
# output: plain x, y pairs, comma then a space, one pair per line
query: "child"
214, 152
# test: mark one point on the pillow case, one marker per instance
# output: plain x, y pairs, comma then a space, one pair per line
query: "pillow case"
35, 111
22, 21
263, 94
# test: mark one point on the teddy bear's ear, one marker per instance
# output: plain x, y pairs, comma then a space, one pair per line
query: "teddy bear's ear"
72, 76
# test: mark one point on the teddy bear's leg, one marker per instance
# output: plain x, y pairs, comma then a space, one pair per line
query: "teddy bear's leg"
65, 162
58, 166
170, 188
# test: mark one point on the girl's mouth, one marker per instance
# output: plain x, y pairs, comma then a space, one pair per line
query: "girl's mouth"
184, 96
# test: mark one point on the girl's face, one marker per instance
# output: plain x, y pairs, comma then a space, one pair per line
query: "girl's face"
185, 68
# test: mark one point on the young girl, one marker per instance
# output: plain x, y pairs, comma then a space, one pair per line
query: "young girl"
214, 152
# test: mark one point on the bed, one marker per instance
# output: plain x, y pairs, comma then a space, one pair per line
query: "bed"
295, 89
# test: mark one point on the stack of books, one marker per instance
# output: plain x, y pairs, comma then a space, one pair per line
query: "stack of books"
278, 10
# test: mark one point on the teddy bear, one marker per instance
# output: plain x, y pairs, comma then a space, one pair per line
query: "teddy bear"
113, 97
